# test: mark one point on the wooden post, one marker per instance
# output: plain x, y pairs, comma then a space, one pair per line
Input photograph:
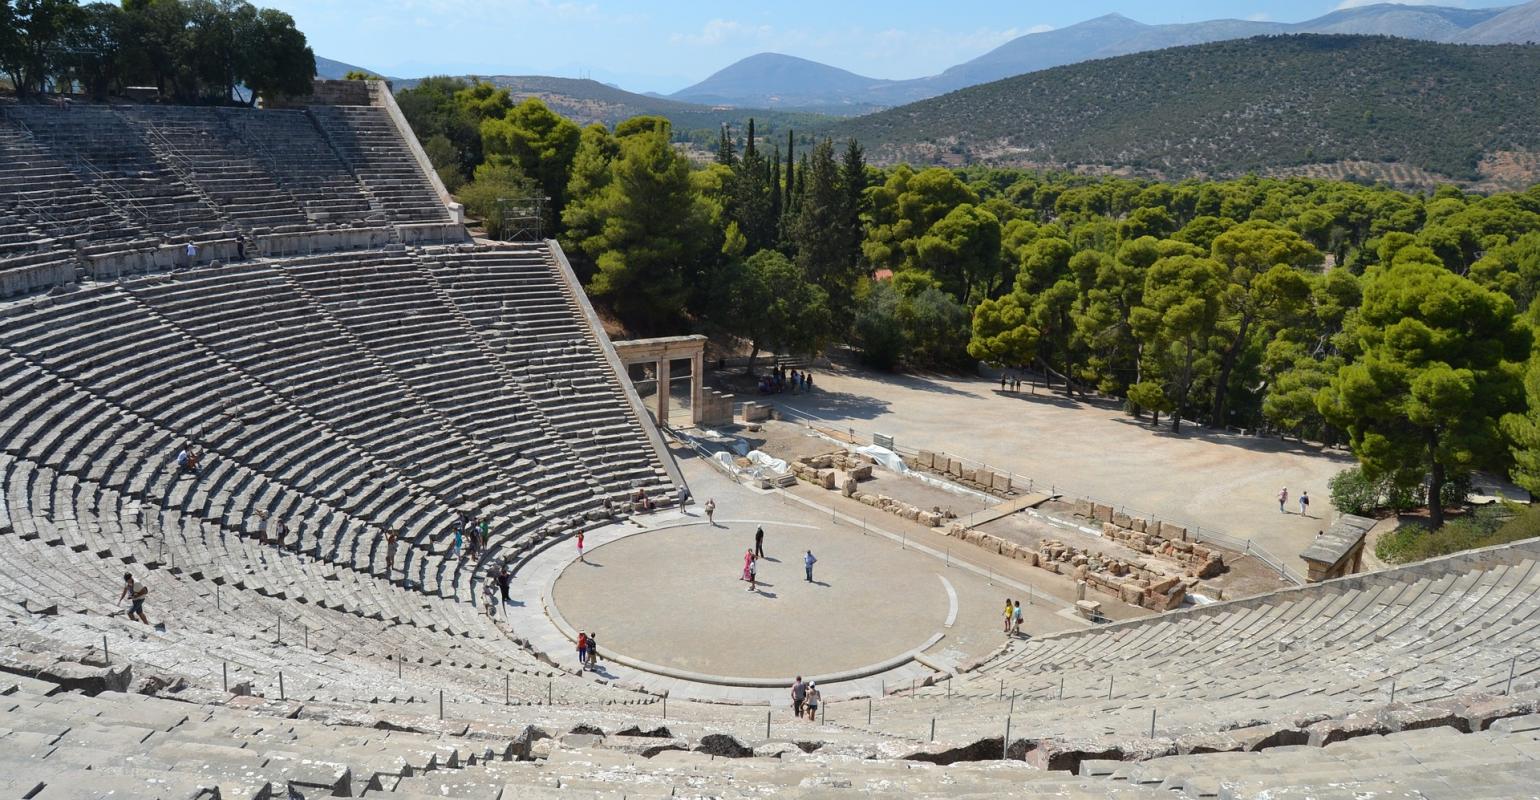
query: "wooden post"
107, 656
933, 729
280, 686
441, 704
505, 689
1152, 723
1005, 744
225, 668
767, 724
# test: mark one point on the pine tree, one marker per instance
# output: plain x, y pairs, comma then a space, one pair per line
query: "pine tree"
817, 233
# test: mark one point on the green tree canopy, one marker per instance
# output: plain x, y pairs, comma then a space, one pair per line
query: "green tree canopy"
1437, 362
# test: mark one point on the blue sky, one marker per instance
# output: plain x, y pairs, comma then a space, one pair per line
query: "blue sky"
666, 45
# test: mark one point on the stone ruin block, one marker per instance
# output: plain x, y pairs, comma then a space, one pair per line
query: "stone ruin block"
1138, 524
930, 519
826, 478
1083, 508
954, 468
1210, 568
1130, 594
1101, 513
926, 460
984, 478
1027, 555
869, 500
1174, 532
848, 488
862, 472
1122, 520
1000, 482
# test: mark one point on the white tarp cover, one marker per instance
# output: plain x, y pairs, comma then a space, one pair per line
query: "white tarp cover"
887, 458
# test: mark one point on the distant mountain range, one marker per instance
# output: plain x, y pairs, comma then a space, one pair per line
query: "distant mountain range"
1412, 113
771, 80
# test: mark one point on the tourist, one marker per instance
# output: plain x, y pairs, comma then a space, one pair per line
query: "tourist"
582, 648
711, 508
240, 247
1283, 497
1304, 504
262, 527
759, 542
473, 538
798, 695
580, 548
489, 599
185, 460
811, 703
754, 575
391, 540
1010, 613
807, 382
807, 563
1016, 622
192, 253
1002, 381
280, 530
504, 577
135, 593
748, 558
484, 537
593, 650
459, 532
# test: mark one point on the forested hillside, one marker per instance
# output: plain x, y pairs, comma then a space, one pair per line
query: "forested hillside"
1268, 105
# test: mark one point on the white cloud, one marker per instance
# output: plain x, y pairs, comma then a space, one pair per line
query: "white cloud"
1259, 16
721, 31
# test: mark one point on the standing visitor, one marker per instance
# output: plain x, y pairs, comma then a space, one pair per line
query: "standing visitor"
748, 558
798, 695
1283, 497
582, 648
759, 542
1304, 504
503, 578
711, 508
580, 548
807, 563
1010, 613
814, 697
1016, 623
754, 575
135, 593
391, 540
459, 532
593, 650
486, 529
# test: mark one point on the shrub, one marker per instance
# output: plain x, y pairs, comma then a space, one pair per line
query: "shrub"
1485, 527
1352, 493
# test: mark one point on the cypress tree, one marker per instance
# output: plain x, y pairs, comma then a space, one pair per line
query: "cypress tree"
853, 190
773, 180
749, 151
791, 170
725, 146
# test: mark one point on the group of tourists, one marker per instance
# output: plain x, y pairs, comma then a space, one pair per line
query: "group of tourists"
470, 534
189, 459
1304, 502
1009, 383
805, 699
588, 651
780, 380
1012, 617
752, 556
